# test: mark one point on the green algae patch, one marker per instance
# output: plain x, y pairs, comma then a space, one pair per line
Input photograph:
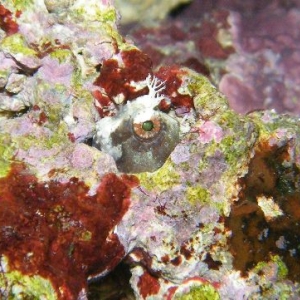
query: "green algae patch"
230, 150
58, 137
16, 44
94, 13
203, 292
62, 55
207, 100
4, 75
6, 154
15, 285
282, 270
20, 4
161, 180
269, 121
236, 144
108, 15
230, 119
4, 166
197, 195
278, 286
241, 136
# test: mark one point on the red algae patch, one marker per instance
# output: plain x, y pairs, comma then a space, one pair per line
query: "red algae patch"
171, 77
148, 285
120, 78
58, 231
7, 22
208, 42
116, 77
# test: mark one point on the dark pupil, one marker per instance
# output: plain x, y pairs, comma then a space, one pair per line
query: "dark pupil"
147, 125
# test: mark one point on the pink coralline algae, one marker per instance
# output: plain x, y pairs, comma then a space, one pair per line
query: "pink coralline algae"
82, 157
120, 178
210, 131
52, 70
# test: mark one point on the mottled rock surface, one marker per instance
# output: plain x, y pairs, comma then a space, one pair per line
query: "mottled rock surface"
218, 217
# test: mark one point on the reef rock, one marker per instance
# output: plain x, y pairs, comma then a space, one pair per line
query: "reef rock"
105, 160
249, 49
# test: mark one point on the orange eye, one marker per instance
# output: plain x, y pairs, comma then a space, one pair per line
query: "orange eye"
147, 129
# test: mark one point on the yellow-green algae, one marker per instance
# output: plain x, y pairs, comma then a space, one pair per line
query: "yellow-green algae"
4, 74
204, 291
209, 103
161, 180
275, 122
93, 12
233, 149
16, 44
278, 285
197, 195
207, 100
240, 134
282, 270
62, 55
58, 137
16, 286
18, 4
6, 154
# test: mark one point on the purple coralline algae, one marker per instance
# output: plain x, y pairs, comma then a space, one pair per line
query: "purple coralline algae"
250, 50
105, 159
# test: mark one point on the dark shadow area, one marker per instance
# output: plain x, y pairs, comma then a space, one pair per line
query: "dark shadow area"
115, 286
178, 10
255, 236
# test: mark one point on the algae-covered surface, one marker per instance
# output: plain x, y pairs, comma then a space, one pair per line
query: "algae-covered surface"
207, 205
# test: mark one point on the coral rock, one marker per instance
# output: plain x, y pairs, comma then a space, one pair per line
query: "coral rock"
213, 208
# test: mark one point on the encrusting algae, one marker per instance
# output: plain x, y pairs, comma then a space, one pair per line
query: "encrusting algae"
106, 160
